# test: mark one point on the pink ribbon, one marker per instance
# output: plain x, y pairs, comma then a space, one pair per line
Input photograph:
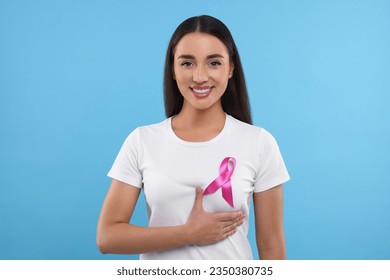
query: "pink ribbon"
223, 181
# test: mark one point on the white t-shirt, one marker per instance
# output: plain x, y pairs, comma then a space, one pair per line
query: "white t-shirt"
169, 169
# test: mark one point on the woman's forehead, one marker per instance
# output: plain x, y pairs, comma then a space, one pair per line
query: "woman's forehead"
200, 44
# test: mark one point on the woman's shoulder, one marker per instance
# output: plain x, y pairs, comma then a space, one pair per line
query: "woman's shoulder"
150, 130
251, 131
153, 127
244, 127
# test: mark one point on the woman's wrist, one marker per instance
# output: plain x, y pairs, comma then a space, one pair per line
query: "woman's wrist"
185, 237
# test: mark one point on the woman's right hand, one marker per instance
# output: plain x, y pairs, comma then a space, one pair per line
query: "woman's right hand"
204, 228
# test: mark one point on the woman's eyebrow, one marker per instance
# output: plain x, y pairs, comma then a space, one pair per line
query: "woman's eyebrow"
188, 56
217, 55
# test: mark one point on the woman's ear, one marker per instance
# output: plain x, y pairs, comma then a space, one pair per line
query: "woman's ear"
173, 74
231, 69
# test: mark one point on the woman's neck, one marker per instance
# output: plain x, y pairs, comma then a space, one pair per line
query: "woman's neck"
199, 125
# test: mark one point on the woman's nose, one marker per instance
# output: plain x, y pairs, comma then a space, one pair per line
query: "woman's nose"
200, 75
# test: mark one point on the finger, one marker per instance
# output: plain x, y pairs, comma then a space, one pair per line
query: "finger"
228, 225
198, 199
229, 233
230, 216
240, 218
231, 227
232, 224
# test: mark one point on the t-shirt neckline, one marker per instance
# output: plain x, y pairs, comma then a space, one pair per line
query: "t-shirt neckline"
173, 135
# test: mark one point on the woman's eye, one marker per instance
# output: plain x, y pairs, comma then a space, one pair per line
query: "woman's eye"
186, 64
215, 63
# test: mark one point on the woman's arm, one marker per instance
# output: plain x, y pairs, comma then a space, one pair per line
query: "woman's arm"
116, 236
268, 208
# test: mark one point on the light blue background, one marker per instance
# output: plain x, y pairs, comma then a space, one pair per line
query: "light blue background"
77, 76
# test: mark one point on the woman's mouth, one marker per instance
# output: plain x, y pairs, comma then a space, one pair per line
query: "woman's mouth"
201, 92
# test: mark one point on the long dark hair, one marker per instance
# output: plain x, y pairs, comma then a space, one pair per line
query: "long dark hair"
235, 101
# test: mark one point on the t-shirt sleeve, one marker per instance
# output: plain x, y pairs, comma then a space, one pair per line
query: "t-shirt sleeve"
272, 170
126, 165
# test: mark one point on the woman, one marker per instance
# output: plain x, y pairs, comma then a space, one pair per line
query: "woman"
201, 167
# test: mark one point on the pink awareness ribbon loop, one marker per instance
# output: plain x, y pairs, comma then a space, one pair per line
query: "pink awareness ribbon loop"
223, 181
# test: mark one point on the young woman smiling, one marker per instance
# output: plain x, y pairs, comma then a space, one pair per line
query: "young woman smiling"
201, 167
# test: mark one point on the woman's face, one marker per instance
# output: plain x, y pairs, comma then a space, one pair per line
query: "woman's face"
201, 69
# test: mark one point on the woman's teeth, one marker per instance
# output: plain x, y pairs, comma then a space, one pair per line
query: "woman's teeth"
201, 91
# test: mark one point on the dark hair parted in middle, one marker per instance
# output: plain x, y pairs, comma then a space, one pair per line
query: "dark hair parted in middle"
235, 100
